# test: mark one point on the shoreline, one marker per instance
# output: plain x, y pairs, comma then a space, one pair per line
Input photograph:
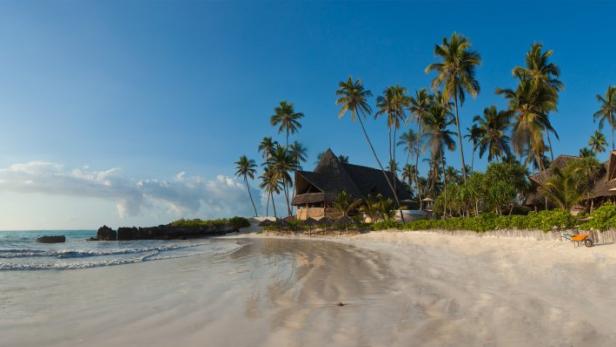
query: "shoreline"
397, 288
467, 241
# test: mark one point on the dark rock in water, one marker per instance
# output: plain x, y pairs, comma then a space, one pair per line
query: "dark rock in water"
163, 232
105, 233
51, 239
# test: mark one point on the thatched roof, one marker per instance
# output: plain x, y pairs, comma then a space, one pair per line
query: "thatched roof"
331, 177
560, 162
602, 188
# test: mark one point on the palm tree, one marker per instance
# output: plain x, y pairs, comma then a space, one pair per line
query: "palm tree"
607, 111
411, 142
298, 153
527, 105
419, 107
438, 136
271, 184
492, 133
597, 142
456, 74
345, 203
409, 173
247, 168
542, 74
586, 152
281, 163
472, 135
286, 119
353, 98
266, 147
393, 104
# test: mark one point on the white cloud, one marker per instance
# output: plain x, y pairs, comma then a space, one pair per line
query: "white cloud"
183, 195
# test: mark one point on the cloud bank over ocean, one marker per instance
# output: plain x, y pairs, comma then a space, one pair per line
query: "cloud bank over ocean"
180, 196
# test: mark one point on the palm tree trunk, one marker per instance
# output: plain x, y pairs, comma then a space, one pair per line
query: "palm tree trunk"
267, 205
250, 195
444, 185
613, 138
273, 205
550, 144
460, 137
376, 157
393, 156
286, 195
417, 171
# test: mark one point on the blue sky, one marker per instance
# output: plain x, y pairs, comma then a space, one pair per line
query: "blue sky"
133, 112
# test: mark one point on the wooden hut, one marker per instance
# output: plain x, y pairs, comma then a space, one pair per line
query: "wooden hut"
604, 188
316, 191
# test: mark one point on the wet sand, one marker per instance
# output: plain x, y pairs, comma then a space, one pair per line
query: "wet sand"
397, 289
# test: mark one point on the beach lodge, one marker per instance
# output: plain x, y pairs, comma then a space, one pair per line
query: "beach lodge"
604, 188
316, 191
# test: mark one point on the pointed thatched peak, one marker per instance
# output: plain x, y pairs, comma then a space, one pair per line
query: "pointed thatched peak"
328, 159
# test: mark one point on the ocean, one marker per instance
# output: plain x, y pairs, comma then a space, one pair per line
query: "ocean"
20, 251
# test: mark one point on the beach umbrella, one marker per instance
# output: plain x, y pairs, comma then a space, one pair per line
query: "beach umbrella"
344, 222
310, 222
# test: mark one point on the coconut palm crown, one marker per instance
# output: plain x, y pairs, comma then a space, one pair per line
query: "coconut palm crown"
247, 168
455, 74
286, 119
492, 135
607, 111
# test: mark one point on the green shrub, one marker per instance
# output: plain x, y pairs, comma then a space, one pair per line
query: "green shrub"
544, 220
602, 218
386, 224
239, 222
235, 222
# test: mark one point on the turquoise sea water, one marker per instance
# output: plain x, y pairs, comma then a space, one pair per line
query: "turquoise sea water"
20, 251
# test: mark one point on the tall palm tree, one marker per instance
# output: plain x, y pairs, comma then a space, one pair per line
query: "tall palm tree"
542, 74
286, 119
271, 184
393, 104
247, 168
527, 105
437, 133
411, 142
419, 107
298, 153
472, 135
597, 142
282, 163
353, 98
492, 133
409, 173
456, 74
266, 147
607, 111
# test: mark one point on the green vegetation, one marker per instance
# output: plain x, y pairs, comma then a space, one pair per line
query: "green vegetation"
235, 222
603, 218
495, 191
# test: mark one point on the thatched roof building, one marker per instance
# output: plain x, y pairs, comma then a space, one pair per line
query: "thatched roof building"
603, 189
315, 191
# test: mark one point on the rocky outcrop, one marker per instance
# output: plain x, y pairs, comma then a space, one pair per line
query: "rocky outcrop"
105, 233
162, 232
51, 239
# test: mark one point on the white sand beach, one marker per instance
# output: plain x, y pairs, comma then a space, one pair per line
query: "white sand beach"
397, 289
